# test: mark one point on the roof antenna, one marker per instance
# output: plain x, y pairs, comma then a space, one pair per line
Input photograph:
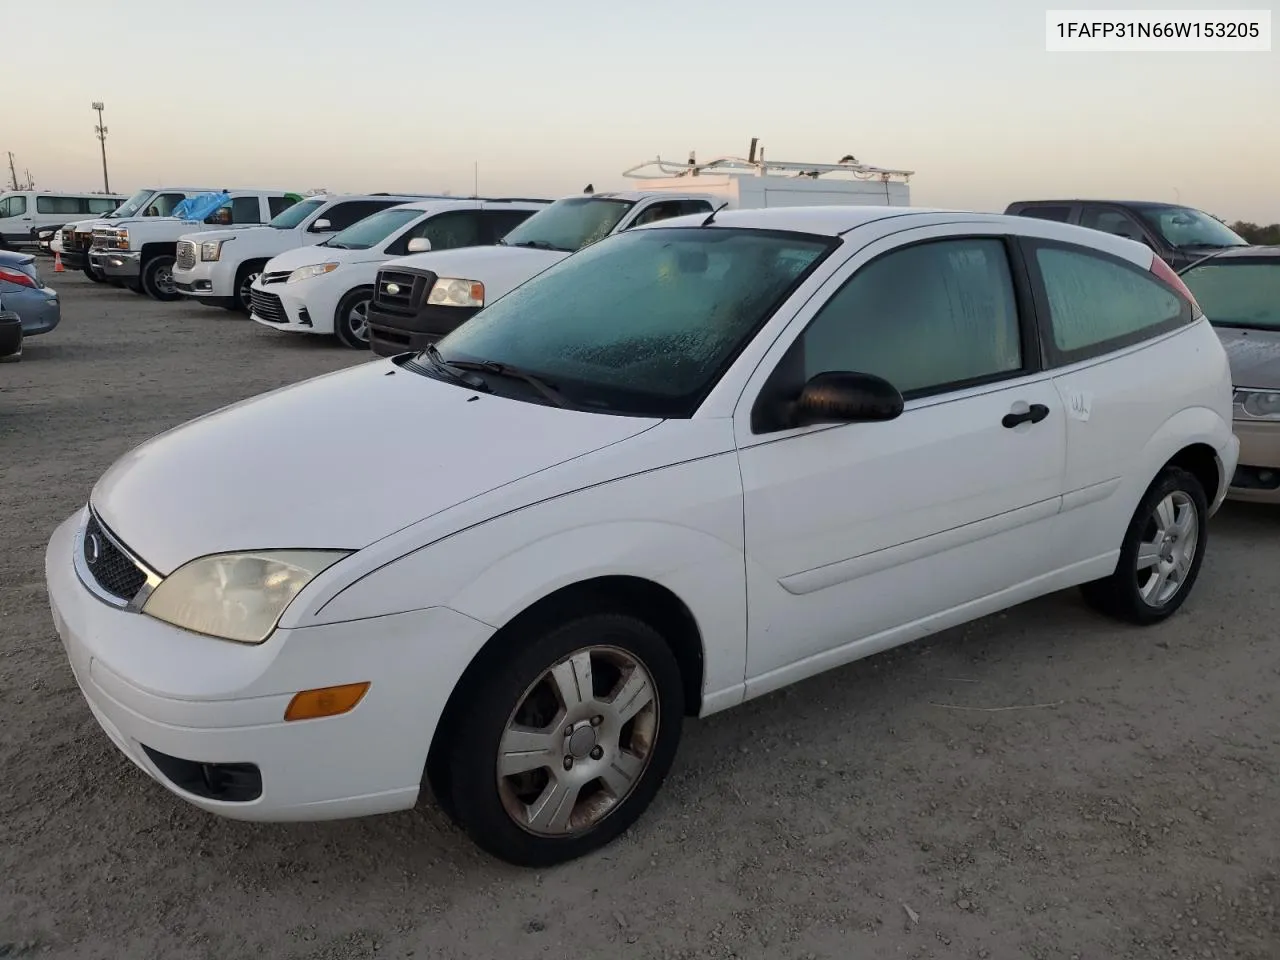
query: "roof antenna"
590, 188
712, 215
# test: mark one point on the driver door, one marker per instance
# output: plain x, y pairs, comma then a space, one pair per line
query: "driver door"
858, 534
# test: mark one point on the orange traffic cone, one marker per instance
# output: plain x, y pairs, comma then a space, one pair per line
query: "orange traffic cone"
57, 264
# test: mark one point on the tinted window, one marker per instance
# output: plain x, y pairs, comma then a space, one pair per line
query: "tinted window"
1238, 292
13, 207
671, 208
294, 214
374, 229
1097, 303
457, 228
644, 322
924, 317
246, 210
502, 222
60, 205
278, 205
343, 215
1061, 214
1111, 221
102, 204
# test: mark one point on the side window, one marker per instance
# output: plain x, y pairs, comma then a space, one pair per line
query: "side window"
1060, 214
246, 210
455, 228
13, 207
58, 205
278, 205
501, 222
1098, 303
671, 208
162, 205
927, 318
343, 215
4, 207
1111, 221
103, 204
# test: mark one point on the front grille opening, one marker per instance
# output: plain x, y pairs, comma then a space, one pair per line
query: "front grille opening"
228, 782
268, 307
186, 258
111, 569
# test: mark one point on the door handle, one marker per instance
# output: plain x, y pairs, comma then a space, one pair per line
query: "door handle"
1033, 414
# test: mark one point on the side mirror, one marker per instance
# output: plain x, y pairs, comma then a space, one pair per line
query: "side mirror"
320, 226
419, 245
843, 397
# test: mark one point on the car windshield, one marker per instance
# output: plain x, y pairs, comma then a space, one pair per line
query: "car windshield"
374, 228
643, 323
130, 206
1184, 227
569, 224
289, 218
1238, 292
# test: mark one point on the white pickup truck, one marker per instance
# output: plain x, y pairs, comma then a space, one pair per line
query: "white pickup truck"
422, 297
218, 267
77, 237
140, 251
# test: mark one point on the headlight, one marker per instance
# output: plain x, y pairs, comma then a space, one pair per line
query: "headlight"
122, 239
211, 250
315, 270
448, 292
1257, 404
236, 596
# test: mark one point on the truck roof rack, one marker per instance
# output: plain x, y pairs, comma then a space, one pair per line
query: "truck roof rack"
757, 166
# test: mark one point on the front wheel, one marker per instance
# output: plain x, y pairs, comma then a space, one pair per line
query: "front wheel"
565, 744
94, 275
157, 278
351, 319
1161, 554
242, 300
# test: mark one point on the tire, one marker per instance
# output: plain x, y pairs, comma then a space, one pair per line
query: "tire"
629, 749
157, 278
349, 332
1174, 505
94, 275
248, 272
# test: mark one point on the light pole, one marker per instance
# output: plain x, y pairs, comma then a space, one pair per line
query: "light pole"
101, 131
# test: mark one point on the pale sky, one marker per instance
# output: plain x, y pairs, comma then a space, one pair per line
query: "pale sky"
546, 97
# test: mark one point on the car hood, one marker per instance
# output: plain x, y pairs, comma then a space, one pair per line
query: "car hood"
226, 233
338, 461
1254, 356
498, 268
316, 253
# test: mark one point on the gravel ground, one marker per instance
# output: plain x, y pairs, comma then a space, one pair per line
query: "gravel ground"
1041, 784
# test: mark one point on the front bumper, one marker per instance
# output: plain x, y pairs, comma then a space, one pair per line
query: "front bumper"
392, 333
175, 702
1257, 475
273, 308
204, 282
117, 264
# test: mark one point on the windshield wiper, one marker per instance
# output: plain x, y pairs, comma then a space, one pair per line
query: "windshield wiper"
548, 390
453, 371
538, 245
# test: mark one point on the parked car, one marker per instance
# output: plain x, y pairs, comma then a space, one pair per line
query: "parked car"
10, 335
26, 295
77, 238
24, 213
218, 267
1179, 235
1239, 291
140, 252
326, 288
422, 297
689, 465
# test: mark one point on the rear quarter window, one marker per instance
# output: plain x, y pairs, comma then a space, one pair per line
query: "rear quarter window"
1095, 303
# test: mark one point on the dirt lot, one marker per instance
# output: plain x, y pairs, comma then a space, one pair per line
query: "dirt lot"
1043, 784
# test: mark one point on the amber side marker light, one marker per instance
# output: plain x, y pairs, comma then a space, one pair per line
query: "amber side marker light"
325, 702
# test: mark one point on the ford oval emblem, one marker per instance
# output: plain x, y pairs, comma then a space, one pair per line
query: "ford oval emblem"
393, 288
95, 548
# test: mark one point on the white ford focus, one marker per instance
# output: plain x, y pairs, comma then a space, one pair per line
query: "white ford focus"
689, 465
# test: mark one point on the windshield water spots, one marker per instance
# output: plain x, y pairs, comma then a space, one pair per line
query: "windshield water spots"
1184, 227
570, 224
1237, 294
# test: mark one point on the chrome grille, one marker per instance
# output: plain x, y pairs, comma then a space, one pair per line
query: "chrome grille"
186, 255
276, 276
111, 568
267, 306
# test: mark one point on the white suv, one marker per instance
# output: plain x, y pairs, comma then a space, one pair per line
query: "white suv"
689, 465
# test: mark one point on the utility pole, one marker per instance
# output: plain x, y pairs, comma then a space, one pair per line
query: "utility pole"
101, 131
13, 173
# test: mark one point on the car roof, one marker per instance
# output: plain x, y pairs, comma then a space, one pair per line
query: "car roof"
436, 202
1260, 252
1158, 204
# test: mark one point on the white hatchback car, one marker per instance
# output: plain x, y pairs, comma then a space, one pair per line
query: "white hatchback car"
692, 464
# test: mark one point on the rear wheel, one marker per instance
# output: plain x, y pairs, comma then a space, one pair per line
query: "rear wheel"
567, 742
351, 319
157, 278
1161, 554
